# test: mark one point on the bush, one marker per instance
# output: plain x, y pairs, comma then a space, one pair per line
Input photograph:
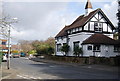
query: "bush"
65, 48
78, 51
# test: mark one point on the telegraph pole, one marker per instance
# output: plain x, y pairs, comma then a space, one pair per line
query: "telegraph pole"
118, 16
8, 55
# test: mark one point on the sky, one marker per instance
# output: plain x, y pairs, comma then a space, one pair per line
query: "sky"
40, 19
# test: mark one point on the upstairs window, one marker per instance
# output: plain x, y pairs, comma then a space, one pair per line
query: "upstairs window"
3, 43
68, 31
96, 48
98, 27
77, 29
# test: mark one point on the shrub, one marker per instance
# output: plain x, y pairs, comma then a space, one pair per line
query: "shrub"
78, 51
65, 49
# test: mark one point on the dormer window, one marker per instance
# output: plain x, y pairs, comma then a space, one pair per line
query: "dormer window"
73, 30
77, 29
68, 31
98, 27
80, 28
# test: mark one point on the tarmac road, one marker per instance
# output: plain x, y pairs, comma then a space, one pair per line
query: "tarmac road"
27, 69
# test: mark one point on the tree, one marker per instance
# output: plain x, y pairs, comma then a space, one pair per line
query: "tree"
26, 46
50, 50
65, 49
78, 51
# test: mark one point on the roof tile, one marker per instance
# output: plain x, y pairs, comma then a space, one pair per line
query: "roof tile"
100, 39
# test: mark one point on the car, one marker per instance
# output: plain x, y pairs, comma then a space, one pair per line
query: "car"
15, 55
4, 58
22, 54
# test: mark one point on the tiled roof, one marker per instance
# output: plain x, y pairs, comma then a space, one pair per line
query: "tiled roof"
62, 32
100, 39
3, 40
80, 22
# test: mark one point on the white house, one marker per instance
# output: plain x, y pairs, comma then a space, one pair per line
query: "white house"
94, 24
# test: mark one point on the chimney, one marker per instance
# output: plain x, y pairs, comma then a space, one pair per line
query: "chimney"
88, 7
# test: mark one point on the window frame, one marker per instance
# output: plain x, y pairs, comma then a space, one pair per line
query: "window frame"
75, 43
58, 47
98, 27
88, 47
96, 48
116, 49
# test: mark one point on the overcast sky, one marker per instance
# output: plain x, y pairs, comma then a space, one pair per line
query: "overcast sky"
38, 20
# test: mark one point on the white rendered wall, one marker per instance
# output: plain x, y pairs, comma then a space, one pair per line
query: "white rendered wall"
77, 37
106, 51
86, 52
60, 41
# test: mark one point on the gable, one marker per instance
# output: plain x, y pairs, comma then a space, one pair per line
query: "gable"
87, 23
102, 20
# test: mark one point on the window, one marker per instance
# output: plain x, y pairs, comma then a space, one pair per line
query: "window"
76, 44
89, 48
73, 30
58, 47
116, 49
3, 43
77, 29
96, 48
80, 28
69, 31
98, 27
64, 43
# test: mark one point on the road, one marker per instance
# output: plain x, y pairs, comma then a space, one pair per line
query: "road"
27, 69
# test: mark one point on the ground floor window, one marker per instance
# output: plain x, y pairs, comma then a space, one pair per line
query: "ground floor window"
58, 47
89, 48
75, 44
116, 48
96, 48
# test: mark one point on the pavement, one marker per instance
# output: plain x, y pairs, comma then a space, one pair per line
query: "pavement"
6, 73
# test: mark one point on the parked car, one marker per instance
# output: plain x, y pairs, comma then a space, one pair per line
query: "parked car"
16, 55
4, 58
30, 56
22, 54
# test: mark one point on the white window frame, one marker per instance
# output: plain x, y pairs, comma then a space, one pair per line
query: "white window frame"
97, 48
88, 47
59, 47
98, 27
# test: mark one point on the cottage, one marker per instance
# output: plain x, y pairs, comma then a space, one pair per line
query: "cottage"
93, 32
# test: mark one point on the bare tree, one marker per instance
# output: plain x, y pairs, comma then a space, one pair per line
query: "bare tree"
25, 45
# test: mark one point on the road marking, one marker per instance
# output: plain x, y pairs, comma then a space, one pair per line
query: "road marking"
28, 77
22, 77
89, 67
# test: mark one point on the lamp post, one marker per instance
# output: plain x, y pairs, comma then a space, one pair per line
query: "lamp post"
9, 34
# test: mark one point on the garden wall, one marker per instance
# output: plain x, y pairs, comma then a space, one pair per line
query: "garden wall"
86, 60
